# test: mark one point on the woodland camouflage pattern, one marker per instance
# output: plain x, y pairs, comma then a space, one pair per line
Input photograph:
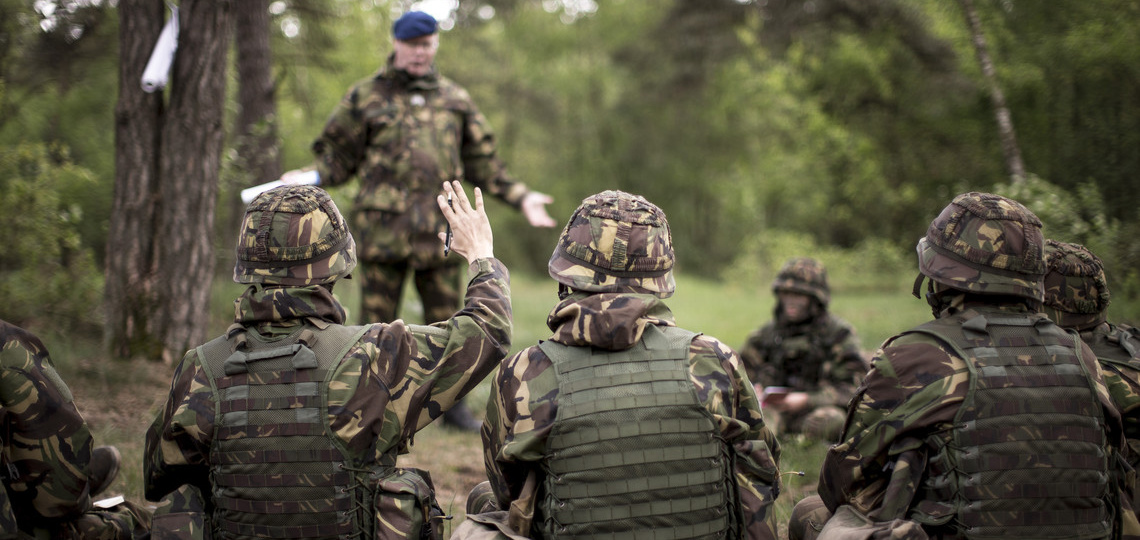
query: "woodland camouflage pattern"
293, 235
804, 275
1076, 291
615, 242
403, 137
524, 400
47, 451
985, 243
393, 381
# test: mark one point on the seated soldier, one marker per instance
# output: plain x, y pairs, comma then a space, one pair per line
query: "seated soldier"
621, 424
50, 470
1076, 298
289, 425
806, 363
989, 421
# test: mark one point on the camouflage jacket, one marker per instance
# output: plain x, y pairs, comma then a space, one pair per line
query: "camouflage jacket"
403, 136
1118, 349
821, 357
46, 443
524, 399
394, 380
914, 389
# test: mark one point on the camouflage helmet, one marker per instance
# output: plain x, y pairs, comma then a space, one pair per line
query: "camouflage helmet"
1076, 291
294, 236
804, 275
985, 244
615, 242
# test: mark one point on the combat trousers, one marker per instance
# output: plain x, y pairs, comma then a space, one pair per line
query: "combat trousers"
382, 290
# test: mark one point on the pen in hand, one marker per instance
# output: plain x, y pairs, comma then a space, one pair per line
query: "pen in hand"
447, 240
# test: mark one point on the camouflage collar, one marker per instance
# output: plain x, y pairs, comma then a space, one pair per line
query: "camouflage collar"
609, 321
286, 307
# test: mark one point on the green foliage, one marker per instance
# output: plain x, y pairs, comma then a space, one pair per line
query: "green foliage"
1081, 216
47, 275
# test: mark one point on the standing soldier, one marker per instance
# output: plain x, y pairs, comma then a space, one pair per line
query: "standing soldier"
806, 363
1076, 298
49, 468
989, 421
621, 424
288, 426
403, 131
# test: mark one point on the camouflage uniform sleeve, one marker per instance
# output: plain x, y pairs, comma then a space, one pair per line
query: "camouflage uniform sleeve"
481, 164
45, 436
340, 148
178, 441
756, 357
722, 385
421, 371
914, 384
520, 415
752, 357
844, 369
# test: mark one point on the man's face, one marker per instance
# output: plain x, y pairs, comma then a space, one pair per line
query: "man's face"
415, 55
796, 306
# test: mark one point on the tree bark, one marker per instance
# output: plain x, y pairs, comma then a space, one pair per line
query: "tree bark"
160, 260
129, 281
1008, 136
190, 161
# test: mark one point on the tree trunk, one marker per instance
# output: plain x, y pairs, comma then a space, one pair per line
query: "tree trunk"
160, 258
129, 282
259, 158
1009, 146
191, 150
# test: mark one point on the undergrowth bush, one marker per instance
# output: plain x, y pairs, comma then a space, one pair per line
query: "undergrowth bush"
47, 277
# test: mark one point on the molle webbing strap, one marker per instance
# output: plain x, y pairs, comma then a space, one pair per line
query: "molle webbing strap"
1026, 456
278, 472
633, 453
326, 530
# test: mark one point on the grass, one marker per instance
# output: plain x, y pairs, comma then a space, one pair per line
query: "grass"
120, 399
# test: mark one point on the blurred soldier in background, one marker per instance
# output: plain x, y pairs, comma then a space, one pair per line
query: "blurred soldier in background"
989, 421
806, 363
289, 425
1076, 298
403, 131
621, 424
49, 468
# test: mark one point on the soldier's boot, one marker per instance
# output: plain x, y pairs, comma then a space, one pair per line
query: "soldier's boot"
460, 417
104, 468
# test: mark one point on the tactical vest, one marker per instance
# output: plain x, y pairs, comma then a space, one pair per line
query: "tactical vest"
633, 453
1120, 347
1026, 456
277, 469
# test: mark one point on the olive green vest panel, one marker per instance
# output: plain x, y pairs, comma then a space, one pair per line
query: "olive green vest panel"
1121, 347
633, 453
276, 468
1026, 457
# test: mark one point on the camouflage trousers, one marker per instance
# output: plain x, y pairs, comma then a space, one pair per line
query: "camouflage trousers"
821, 424
124, 521
383, 287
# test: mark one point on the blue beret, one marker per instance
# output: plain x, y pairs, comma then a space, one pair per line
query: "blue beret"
412, 25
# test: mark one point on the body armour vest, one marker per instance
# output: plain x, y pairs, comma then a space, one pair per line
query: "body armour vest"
277, 470
1026, 455
633, 453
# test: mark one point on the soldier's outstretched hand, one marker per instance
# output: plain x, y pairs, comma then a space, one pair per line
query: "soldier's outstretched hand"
470, 229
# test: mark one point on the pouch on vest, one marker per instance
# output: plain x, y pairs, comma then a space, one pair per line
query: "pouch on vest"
406, 507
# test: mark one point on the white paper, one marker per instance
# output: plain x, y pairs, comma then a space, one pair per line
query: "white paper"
109, 502
304, 178
157, 70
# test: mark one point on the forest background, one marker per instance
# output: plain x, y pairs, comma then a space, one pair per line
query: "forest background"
766, 129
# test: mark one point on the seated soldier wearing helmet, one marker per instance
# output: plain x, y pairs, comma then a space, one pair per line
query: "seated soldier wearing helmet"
289, 425
806, 362
1077, 298
621, 424
989, 421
